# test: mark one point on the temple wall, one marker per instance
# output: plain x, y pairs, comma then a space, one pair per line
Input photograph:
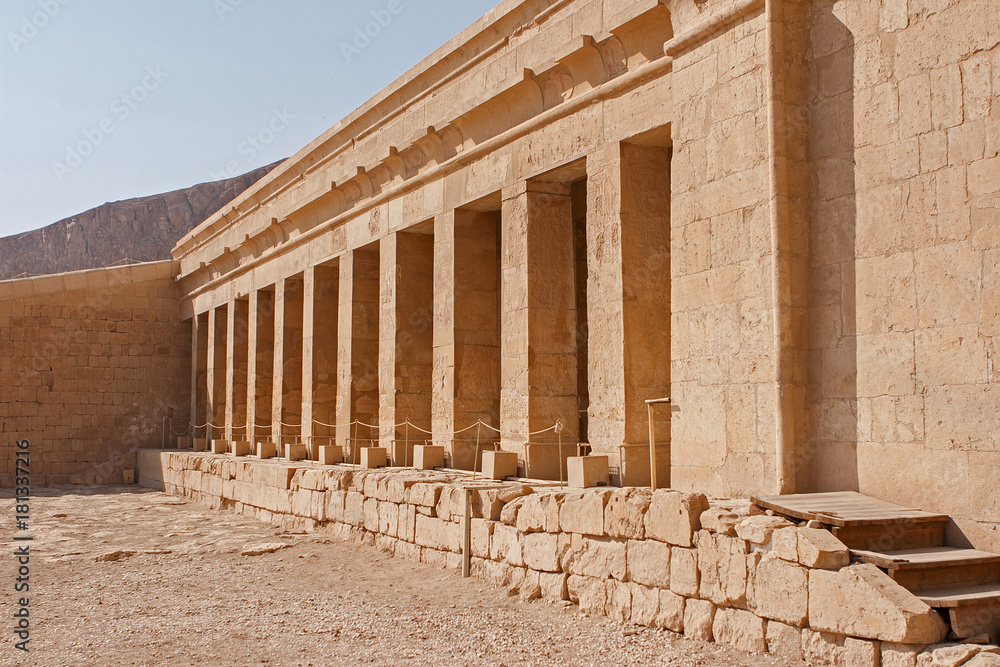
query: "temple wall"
92, 365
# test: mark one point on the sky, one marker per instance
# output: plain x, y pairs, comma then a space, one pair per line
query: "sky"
104, 100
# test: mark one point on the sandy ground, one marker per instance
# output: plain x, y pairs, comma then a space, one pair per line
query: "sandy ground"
185, 595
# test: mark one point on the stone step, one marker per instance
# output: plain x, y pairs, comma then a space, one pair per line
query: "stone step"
935, 568
972, 610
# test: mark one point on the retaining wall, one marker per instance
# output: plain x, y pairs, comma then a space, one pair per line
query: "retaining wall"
707, 569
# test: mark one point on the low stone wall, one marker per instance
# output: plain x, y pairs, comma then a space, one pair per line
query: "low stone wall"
667, 559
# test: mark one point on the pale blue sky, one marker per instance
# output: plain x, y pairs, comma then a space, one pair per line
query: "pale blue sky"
181, 85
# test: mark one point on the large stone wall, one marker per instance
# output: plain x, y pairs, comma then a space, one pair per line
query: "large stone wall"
664, 559
90, 365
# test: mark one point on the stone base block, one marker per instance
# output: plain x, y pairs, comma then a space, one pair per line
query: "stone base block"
266, 450
634, 466
241, 449
374, 457
296, 451
499, 465
184, 442
330, 454
588, 471
220, 446
428, 457
546, 461
201, 444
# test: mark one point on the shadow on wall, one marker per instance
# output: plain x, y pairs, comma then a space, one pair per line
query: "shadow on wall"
830, 460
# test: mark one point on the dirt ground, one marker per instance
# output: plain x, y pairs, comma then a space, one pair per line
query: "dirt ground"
182, 594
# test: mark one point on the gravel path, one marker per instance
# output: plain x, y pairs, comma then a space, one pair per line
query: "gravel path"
125, 576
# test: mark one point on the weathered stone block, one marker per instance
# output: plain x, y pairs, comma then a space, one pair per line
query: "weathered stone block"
722, 562
374, 457
684, 576
553, 586
624, 515
784, 640
499, 465
505, 545
720, 520
371, 515
674, 517
862, 601
438, 534
779, 590
953, 655
598, 557
584, 515
648, 563
354, 509
740, 629
699, 617
758, 529
590, 593
539, 512
541, 552
428, 457
334, 510
671, 612
296, 452
424, 494
821, 648
329, 455
584, 472
619, 601
900, 655
819, 549
645, 604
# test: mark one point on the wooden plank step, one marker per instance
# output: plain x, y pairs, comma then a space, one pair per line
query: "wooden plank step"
845, 508
926, 557
966, 596
934, 568
972, 610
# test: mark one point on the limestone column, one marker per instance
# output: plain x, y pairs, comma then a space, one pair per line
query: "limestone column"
320, 343
199, 369
538, 346
628, 246
387, 330
278, 374
261, 367
236, 370
286, 414
308, 353
406, 337
466, 329
217, 337
357, 376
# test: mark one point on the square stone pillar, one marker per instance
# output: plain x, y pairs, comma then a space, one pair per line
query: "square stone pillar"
406, 336
628, 246
199, 370
286, 413
237, 346
217, 337
466, 336
319, 353
538, 347
357, 358
261, 364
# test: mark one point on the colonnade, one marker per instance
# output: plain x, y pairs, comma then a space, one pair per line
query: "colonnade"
545, 303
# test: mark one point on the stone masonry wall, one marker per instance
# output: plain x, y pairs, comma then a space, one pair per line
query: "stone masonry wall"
90, 364
664, 559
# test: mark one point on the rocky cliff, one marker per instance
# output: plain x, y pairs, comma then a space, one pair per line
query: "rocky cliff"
135, 230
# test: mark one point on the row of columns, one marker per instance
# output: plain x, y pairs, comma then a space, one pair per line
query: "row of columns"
473, 316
